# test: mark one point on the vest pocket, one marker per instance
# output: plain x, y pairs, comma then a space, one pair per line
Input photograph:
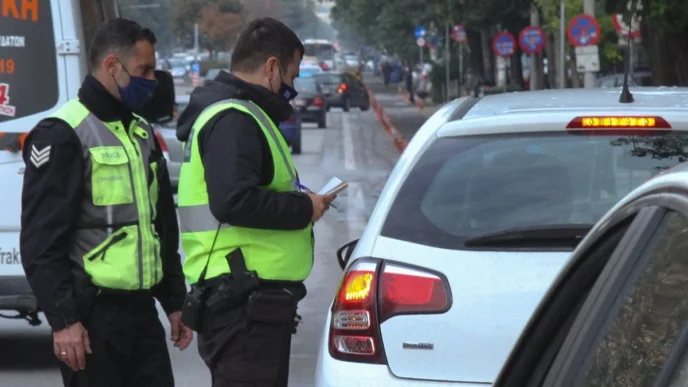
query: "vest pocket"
113, 263
110, 176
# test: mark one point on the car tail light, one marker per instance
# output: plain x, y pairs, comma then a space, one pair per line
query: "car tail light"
371, 293
318, 101
342, 88
628, 125
161, 140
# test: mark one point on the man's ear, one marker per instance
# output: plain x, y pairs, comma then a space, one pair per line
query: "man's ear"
110, 63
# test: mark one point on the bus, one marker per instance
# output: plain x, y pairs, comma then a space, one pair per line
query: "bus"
323, 49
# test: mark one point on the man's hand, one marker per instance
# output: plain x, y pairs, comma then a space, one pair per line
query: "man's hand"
71, 345
321, 203
179, 333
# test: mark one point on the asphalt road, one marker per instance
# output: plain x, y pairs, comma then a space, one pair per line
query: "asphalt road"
354, 148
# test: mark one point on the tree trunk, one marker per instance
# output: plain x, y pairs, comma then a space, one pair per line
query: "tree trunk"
488, 69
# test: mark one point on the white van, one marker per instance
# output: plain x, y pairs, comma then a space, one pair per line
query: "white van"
43, 50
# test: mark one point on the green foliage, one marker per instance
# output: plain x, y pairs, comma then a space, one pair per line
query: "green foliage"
185, 13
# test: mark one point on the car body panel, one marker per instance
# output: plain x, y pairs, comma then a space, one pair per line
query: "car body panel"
493, 295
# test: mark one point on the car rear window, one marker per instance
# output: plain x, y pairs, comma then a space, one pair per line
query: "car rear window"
329, 79
466, 187
305, 85
28, 60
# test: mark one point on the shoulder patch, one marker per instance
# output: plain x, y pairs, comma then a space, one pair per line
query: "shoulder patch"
40, 155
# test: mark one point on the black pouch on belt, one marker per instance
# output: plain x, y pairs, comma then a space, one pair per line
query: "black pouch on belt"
194, 307
275, 306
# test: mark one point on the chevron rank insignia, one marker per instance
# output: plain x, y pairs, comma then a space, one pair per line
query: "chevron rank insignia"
40, 157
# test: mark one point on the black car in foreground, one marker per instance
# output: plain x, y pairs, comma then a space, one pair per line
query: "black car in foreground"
310, 101
343, 90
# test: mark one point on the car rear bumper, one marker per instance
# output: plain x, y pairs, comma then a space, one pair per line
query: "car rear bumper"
311, 113
16, 294
330, 372
290, 132
335, 100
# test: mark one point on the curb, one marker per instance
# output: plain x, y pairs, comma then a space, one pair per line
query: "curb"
400, 140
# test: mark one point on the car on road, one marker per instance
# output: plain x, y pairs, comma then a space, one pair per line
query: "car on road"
617, 313
343, 90
310, 101
479, 215
175, 148
291, 130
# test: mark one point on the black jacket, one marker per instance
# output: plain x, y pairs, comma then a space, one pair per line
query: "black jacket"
237, 158
52, 196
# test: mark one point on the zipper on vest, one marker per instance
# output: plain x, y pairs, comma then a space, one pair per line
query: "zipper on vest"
142, 205
101, 252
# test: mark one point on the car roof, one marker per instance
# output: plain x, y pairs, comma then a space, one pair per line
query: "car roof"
596, 98
544, 110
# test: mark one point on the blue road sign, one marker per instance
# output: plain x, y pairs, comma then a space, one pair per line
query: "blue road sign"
433, 41
504, 44
419, 32
532, 39
583, 30
195, 67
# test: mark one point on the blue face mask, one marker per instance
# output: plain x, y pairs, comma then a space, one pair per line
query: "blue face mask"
137, 92
286, 91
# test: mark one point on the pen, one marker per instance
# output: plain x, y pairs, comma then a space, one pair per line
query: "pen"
303, 187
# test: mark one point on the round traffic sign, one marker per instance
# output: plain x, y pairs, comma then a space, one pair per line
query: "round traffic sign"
532, 39
459, 33
504, 44
583, 30
623, 28
419, 32
195, 67
420, 42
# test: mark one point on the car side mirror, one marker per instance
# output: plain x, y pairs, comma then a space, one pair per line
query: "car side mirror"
344, 253
160, 108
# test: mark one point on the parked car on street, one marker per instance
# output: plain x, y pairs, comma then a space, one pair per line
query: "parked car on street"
175, 148
479, 216
310, 101
343, 90
291, 130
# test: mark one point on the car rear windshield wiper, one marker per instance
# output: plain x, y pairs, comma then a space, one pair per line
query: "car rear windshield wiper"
555, 235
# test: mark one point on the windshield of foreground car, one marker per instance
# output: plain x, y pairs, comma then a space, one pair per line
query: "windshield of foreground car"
468, 187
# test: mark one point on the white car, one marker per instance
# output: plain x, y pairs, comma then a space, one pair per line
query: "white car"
478, 217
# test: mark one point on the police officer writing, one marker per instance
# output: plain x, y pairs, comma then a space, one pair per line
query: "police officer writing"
99, 233
245, 227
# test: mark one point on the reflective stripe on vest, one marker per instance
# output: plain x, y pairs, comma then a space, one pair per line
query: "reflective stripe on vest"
274, 254
115, 241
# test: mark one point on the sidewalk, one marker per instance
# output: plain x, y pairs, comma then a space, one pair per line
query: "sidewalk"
399, 118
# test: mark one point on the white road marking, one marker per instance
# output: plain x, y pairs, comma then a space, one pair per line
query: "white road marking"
349, 158
355, 201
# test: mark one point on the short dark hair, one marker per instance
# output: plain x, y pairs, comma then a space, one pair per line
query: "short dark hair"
261, 39
117, 34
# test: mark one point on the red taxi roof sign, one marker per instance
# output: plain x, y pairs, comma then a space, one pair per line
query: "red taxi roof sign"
618, 122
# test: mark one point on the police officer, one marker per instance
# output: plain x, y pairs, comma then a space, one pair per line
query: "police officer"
99, 234
246, 228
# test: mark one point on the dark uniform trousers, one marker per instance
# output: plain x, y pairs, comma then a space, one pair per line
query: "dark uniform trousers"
128, 342
243, 351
